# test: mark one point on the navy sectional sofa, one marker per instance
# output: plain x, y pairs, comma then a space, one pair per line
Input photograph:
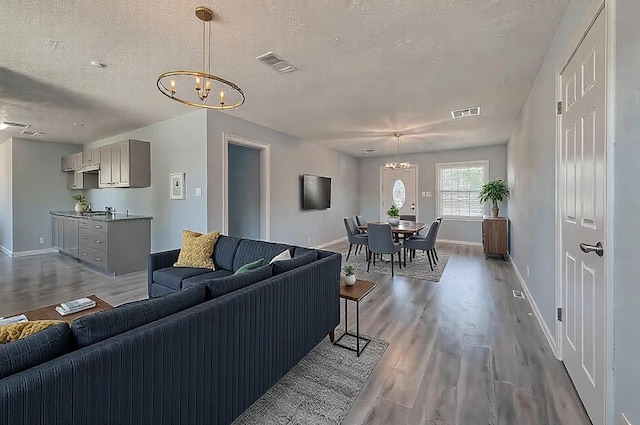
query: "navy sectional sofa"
201, 354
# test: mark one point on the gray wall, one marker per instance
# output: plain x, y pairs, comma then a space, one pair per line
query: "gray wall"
290, 157
531, 175
6, 199
178, 145
457, 230
626, 211
39, 187
244, 192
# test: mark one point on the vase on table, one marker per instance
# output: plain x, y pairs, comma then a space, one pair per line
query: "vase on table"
350, 280
394, 221
81, 208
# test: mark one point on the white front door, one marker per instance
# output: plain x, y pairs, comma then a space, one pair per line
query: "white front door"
582, 203
399, 187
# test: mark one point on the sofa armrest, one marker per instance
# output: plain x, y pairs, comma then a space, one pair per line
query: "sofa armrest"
160, 260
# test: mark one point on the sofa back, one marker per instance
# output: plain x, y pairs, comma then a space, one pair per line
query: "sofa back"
206, 364
250, 250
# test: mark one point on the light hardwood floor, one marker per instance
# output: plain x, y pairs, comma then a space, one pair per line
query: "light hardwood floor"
462, 351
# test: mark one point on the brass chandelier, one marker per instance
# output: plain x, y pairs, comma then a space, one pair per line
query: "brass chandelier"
397, 165
167, 82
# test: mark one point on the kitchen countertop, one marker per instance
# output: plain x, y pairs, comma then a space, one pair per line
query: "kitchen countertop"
108, 217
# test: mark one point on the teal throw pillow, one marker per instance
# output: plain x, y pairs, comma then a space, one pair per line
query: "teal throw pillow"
250, 266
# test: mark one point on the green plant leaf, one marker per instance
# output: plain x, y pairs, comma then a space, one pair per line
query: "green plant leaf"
494, 191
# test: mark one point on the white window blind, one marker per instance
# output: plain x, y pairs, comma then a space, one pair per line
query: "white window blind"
458, 187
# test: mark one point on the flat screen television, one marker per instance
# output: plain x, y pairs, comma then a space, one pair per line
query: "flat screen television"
316, 192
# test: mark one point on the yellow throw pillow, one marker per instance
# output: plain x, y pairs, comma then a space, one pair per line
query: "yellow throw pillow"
16, 331
197, 250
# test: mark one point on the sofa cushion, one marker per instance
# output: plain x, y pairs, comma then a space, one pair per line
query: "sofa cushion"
225, 252
251, 266
298, 251
35, 349
157, 290
96, 327
207, 276
15, 331
197, 249
172, 277
250, 250
234, 282
299, 261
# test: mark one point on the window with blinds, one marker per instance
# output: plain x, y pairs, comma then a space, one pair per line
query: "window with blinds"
458, 187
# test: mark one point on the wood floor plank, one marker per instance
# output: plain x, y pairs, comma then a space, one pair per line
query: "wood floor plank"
476, 387
386, 412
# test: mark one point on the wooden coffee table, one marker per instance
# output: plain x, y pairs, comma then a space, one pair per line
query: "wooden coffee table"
50, 313
354, 293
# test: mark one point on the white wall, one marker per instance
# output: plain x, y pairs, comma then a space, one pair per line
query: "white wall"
626, 212
457, 230
531, 175
39, 186
178, 145
290, 158
6, 197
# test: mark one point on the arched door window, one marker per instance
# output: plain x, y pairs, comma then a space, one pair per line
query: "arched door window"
399, 194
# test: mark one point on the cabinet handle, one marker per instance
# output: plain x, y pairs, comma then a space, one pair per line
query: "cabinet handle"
98, 259
98, 241
84, 237
98, 226
84, 254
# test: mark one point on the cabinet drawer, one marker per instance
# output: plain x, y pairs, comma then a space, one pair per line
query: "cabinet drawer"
95, 225
94, 256
94, 239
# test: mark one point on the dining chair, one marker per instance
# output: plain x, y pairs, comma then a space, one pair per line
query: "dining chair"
435, 252
424, 243
407, 217
381, 242
361, 222
353, 235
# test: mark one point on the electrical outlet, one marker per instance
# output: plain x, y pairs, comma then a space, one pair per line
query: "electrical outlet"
42, 239
527, 271
198, 191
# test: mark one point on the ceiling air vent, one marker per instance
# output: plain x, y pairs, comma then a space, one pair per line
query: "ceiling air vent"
463, 113
15, 124
276, 62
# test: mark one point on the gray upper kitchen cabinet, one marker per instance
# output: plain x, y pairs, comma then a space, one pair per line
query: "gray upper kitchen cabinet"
125, 164
72, 162
91, 157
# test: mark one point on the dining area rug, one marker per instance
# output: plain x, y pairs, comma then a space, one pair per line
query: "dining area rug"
416, 269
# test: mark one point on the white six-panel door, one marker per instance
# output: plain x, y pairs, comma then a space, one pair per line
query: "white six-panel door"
582, 178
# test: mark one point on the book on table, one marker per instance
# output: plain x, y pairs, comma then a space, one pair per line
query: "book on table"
75, 306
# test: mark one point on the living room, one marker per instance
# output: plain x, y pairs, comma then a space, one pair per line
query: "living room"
450, 343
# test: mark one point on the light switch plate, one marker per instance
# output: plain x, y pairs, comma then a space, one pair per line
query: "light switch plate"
428, 195
198, 191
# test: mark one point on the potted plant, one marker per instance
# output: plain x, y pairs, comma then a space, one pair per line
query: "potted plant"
494, 191
82, 206
349, 276
393, 215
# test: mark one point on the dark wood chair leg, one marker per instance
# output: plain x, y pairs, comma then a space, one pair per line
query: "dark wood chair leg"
405, 256
392, 273
349, 253
430, 264
436, 254
433, 257
369, 262
399, 259
332, 336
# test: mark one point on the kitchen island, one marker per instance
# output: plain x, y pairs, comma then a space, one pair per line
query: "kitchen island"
114, 244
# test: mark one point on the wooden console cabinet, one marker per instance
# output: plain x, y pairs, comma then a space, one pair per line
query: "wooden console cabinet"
495, 236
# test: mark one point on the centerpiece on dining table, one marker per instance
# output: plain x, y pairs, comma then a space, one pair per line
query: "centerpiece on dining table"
393, 215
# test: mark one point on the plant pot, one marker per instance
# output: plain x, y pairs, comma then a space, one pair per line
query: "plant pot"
350, 280
393, 220
81, 208
495, 211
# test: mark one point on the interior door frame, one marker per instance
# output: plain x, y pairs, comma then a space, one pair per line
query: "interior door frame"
382, 168
607, 7
265, 181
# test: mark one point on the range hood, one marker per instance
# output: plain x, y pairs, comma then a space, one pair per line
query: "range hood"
90, 168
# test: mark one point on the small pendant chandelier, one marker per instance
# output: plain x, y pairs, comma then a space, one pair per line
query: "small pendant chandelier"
168, 82
397, 165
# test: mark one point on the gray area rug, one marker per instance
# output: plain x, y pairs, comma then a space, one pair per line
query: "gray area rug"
418, 269
320, 389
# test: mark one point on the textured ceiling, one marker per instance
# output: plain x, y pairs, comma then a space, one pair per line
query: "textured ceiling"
366, 68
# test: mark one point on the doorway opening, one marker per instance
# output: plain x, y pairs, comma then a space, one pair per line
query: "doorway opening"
246, 187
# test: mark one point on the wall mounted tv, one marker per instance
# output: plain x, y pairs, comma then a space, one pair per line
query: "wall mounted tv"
316, 192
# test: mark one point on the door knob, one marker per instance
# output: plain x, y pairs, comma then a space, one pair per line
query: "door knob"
597, 248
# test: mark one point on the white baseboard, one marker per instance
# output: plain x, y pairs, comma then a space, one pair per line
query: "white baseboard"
324, 245
536, 311
6, 251
460, 242
34, 252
